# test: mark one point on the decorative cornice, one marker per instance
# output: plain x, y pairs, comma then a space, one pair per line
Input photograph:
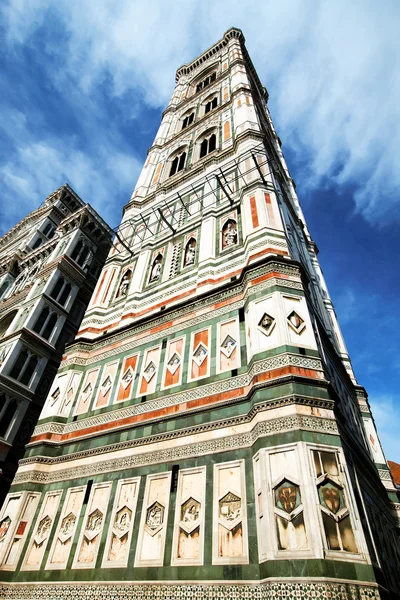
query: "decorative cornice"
181, 452
279, 589
59, 428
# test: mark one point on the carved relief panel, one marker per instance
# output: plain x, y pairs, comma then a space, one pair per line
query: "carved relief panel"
106, 385
127, 378
230, 544
121, 523
64, 536
173, 365
15, 521
93, 523
199, 357
87, 391
228, 345
153, 522
338, 524
148, 376
188, 541
41, 534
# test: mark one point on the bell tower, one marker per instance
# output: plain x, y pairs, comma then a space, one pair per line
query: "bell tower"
208, 438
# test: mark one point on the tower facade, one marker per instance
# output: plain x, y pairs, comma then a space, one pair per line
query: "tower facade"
215, 442
49, 265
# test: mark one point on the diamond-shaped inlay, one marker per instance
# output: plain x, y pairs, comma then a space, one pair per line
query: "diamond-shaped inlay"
266, 324
155, 516
200, 354
43, 529
69, 395
55, 396
149, 371
106, 385
87, 392
127, 377
228, 345
173, 363
296, 322
230, 507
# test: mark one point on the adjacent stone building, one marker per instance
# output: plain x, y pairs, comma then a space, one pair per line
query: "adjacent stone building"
49, 265
205, 436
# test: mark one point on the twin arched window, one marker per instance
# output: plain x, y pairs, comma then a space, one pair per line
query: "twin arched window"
188, 120
45, 323
178, 163
208, 145
206, 82
211, 104
61, 290
82, 254
8, 407
24, 367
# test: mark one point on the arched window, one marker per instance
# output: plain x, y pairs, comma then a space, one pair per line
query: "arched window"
7, 413
188, 120
41, 320
24, 367
37, 243
61, 290
6, 322
178, 163
76, 251
206, 82
29, 369
45, 323
47, 229
82, 254
211, 104
208, 145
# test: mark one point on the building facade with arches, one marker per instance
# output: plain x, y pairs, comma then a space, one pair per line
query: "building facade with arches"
205, 435
49, 265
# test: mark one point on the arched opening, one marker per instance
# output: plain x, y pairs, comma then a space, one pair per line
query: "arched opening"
156, 268
76, 251
188, 120
6, 322
48, 328
178, 163
229, 233
63, 297
210, 105
7, 416
190, 252
40, 321
124, 284
27, 373
208, 145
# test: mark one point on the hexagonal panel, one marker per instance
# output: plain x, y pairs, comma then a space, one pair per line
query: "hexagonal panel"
190, 510
43, 529
331, 496
287, 496
155, 516
230, 507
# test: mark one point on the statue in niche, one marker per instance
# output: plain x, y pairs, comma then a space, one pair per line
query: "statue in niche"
229, 233
124, 285
190, 252
156, 268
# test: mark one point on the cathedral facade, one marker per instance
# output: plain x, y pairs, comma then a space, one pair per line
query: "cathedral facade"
49, 265
205, 436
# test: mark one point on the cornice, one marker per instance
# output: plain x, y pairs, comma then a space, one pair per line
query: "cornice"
231, 33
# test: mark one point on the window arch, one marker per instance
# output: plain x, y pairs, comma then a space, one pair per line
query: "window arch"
178, 162
45, 323
82, 254
206, 82
6, 322
208, 144
188, 120
210, 105
24, 366
61, 290
7, 412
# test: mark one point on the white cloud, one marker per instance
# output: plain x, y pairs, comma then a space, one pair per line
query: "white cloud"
331, 69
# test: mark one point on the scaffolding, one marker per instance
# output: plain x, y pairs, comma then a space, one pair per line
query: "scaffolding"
252, 167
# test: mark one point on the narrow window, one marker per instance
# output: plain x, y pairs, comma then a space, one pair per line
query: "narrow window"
64, 294
182, 159
212, 143
28, 371
204, 148
57, 288
174, 166
19, 364
38, 242
214, 103
48, 328
37, 327
7, 417
76, 251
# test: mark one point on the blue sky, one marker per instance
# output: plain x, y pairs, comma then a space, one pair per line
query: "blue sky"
83, 85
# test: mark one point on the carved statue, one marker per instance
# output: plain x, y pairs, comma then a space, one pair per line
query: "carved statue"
190, 255
156, 270
123, 288
230, 234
